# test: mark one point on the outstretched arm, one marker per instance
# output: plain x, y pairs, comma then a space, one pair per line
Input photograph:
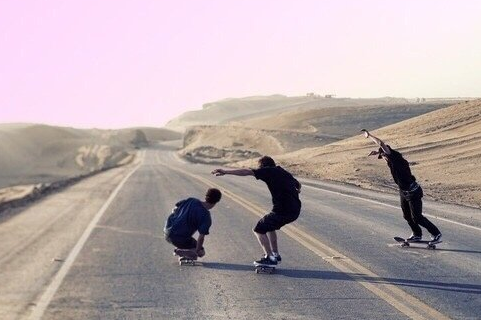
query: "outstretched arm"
377, 141
235, 172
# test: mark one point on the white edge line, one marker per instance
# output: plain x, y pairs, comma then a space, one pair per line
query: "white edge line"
391, 206
44, 301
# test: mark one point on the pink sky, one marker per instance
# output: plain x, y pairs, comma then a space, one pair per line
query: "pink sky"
118, 63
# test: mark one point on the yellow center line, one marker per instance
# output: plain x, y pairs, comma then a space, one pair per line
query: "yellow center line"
399, 299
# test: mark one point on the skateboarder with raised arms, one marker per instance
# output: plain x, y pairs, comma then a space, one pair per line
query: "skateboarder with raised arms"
189, 216
285, 191
410, 191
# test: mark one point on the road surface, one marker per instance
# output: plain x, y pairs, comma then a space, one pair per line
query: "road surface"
96, 251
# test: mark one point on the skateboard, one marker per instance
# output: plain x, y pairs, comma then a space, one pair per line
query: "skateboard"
187, 262
264, 269
406, 243
186, 257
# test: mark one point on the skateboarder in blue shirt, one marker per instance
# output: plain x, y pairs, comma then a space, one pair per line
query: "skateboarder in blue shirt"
285, 191
410, 191
188, 217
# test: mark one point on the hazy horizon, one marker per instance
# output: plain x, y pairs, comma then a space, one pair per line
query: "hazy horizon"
118, 64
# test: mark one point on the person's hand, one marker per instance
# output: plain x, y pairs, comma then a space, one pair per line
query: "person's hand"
365, 133
373, 153
218, 172
299, 189
200, 253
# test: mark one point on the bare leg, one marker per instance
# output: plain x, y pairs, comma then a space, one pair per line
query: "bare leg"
264, 242
272, 235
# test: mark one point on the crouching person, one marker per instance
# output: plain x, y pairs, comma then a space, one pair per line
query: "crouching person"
188, 217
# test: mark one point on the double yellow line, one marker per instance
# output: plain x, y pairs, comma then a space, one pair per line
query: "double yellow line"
399, 299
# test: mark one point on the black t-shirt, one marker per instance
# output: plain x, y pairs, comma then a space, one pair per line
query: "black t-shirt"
400, 170
283, 187
188, 216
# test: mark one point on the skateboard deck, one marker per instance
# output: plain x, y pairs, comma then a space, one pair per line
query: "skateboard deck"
406, 243
186, 257
264, 269
188, 262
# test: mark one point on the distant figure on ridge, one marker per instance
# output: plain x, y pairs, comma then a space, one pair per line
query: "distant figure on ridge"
285, 191
410, 191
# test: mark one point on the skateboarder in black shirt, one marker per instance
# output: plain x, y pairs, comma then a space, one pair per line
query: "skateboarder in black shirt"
285, 191
410, 191
189, 216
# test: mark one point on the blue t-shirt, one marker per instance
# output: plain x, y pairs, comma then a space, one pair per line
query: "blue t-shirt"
188, 216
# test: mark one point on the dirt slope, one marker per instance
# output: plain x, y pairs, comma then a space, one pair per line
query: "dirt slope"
241, 109
443, 147
291, 130
31, 153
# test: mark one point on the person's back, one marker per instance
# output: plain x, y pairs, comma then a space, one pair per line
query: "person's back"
189, 216
282, 186
400, 170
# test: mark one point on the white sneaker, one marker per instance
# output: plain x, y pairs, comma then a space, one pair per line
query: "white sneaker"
414, 238
436, 238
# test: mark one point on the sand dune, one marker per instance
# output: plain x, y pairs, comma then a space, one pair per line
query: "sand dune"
242, 109
224, 144
299, 127
443, 147
441, 140
32, 153
217, 144
339, 121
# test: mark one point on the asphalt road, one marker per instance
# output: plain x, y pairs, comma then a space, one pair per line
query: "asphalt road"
96, 251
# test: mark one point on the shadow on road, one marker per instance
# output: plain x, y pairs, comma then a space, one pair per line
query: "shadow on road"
358, 277
443, 250
228, 266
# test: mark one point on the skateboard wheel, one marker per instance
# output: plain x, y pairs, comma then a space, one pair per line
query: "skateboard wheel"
405, 244
261, 269
432, 246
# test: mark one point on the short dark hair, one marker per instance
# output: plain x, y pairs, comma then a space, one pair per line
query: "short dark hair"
213, 196
266, 161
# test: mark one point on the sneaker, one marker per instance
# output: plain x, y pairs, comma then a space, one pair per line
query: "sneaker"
278, 257
266, 261
414, 238
436, 239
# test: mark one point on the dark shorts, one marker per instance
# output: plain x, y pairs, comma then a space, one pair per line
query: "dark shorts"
181, 242
274, 221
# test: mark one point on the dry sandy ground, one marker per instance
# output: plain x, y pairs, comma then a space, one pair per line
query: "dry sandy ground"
223, 144
313, 123
319, 138
443, 147
232, 110
341, 121
32, 154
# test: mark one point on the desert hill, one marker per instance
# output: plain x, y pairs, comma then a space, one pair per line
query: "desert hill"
242, 109
296, 127
340, 121
32, 153
443, 147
